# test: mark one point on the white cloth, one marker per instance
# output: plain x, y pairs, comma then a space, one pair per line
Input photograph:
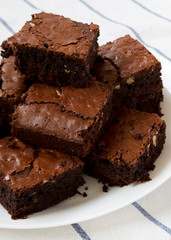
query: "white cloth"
149, 22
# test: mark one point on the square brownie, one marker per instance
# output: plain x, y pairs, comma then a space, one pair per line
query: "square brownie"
33, 179
139, 70
128, 149
54, 49
66, 118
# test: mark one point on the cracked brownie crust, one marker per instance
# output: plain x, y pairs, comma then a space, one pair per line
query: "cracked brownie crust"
33, 179
129, 148
54, 49
65, 118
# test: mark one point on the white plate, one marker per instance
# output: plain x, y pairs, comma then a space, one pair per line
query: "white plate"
98, 203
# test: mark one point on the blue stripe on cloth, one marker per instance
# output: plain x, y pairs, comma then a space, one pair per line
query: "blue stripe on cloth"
32, 5
150, 11
151, 218
6, 25
80, 231
127, 26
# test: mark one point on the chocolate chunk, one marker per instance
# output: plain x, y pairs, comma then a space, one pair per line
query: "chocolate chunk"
105, 188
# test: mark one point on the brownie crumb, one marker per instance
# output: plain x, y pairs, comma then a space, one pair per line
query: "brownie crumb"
86, 188
105, 188
79, 192
85, 194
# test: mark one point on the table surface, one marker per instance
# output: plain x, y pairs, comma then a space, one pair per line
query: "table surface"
150, 23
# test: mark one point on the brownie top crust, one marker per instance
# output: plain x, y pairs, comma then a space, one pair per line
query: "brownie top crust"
129, 136
48, 119
56, 33
12, 81
129, 55
23, 166
66, 111
83, 102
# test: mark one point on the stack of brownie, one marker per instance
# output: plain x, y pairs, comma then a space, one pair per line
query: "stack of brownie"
67, 105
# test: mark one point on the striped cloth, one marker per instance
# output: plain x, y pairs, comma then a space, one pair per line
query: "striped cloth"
150, 23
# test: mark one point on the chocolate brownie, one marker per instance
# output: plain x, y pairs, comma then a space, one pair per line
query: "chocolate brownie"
66, 118
12, 86
33, 179
139, 70
129, 148
55, 49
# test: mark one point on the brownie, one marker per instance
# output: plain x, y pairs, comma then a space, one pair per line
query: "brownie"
139, 70
128, 150
66, 118
54, 49
33, 179
12, 87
